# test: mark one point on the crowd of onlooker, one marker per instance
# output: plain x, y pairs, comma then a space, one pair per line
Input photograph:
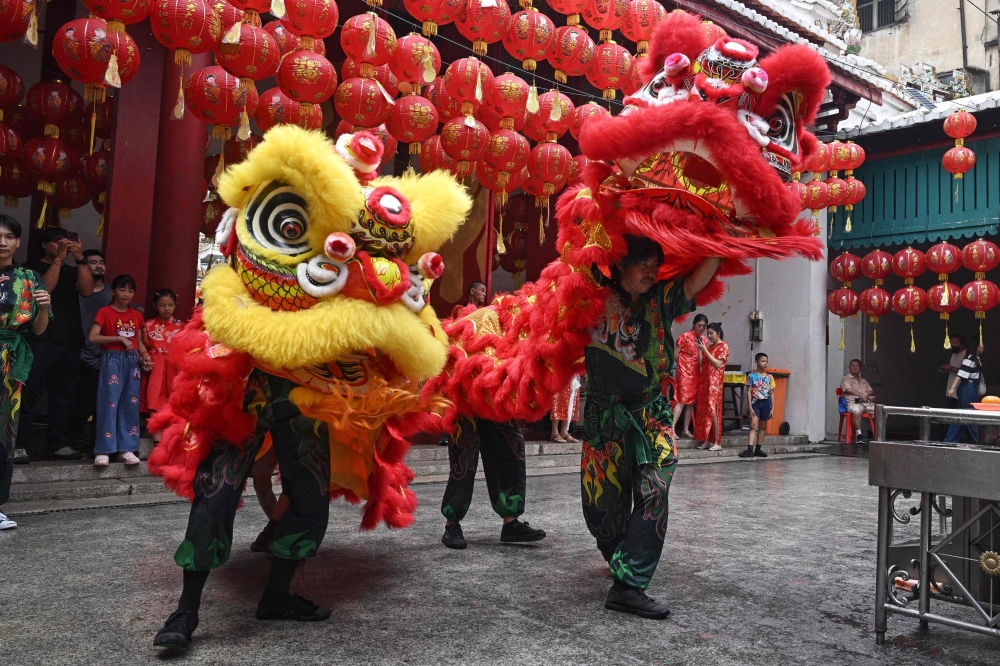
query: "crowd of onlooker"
67, 334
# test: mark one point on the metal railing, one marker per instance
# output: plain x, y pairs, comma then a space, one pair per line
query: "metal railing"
926, 416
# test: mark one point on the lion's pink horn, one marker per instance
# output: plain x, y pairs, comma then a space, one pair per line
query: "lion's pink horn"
339, 246
755, 80
676, 64
431, 266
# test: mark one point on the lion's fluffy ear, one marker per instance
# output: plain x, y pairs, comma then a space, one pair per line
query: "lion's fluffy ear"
439, 205
798, 70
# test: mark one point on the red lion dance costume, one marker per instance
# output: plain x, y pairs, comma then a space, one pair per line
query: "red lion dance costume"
698, 162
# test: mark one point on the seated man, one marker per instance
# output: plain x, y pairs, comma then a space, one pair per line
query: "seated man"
859, 396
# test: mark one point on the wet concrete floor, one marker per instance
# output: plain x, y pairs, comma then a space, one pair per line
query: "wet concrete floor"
767, 562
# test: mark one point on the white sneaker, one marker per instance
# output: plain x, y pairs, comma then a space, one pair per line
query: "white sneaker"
6, 523
128, 458
101, 461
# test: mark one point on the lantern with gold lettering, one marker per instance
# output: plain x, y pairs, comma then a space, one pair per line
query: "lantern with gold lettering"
875, 302
979, 296
909, 302
944, 298
844, 303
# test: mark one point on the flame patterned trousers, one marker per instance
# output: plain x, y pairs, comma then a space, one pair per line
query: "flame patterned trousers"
10, 410
302, 447
502, 448
627, 466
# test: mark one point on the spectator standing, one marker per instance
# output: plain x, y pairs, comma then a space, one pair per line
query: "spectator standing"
90, 355
958, 351
966, 389
686, 381
24, 304
565, 408
860, 398
57, 350
476, 296
117, 329
760, 383
156, 336
708, 419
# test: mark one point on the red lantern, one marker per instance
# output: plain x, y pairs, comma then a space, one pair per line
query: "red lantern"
433, 157
448, 107
585, 112
944, 259
979, 296
610, 68
52, 103
877, 265
119, 13
359, 42
634, 82
416, 61
215, 97
277, 108
509, 95
908, 264
554, 117
577, 168
944, 299
83, 49
312, 20
875, 302
10, 144
820, 161
958, 160
16, 182
497, 181
306, 77
362, 103
96, 169
836, 193
51, 160
11, 88
507, 152
100, 119
483, 24
844, 303
237, 151
846, 268
252, 9
464, 142
287, 40
641, 17
228, 15
254, 57
980, 256
571, 8
960, 124
382, 74
71, 193
186, 26
530, 37
16, 16
211, 216
800, 190
818, 196
412, 120
573, 52
548, 166
433, 13
605, 15
467, 80
909, 302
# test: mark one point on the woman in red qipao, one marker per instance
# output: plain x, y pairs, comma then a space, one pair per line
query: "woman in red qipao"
708, 413
156, 335
686, 384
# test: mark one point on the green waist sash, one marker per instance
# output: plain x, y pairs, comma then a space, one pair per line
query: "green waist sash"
18, 353
629, 414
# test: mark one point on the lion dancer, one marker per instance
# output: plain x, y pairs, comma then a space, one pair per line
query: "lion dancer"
312, 341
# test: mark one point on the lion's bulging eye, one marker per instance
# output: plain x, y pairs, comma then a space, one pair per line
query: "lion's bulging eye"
276, 217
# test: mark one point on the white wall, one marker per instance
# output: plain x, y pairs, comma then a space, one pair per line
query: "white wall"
791, 296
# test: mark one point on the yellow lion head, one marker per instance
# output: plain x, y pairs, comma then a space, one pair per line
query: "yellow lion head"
323, 266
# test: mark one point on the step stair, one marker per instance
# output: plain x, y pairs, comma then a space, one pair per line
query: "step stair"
43, 487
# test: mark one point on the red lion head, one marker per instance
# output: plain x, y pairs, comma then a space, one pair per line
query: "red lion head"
702, 152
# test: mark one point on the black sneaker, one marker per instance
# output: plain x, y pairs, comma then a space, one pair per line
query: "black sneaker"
176, 632
633, 600
759, 453
67, 453
291, 607
453, 537
21, 457
263, 542
746, 453
517, 532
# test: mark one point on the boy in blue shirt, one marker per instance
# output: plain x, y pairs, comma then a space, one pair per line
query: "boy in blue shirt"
760, 384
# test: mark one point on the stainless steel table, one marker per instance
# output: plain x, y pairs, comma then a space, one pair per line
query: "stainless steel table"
963, 565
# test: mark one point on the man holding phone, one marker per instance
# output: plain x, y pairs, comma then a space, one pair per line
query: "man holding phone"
57, 350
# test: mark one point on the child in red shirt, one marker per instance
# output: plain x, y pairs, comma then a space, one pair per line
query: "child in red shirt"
116, 328
156, 336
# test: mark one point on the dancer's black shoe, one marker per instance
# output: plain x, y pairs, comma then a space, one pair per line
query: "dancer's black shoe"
177, 630
290, 607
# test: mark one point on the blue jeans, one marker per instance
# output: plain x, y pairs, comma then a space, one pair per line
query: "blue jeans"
118, 403
968, 393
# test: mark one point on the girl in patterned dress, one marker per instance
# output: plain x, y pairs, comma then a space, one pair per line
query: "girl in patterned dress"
708, 414
156, 335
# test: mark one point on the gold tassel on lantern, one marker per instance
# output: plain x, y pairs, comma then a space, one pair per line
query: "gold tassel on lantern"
843, 321
31, 36
555, 114
179, 105
501, 248
220, 167
244, 131
980, 316
874, 339
278, 8
913, 344
532, 103
45, 206
93, 126
947, 338
372, 35
100, 227
111, 76
541, 230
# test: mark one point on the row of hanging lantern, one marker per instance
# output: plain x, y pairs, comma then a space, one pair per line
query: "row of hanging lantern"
979, 295
45, 145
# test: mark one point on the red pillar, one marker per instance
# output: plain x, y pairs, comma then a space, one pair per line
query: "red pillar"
128, 218
179, 190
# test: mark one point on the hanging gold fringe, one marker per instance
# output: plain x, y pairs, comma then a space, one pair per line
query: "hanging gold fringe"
874, 339
100, 227
913, 344
980, 316
842, 320
847, 226
224, 131
45, 205
115, 26
541, 229
182, 57
501, 248
479, 47
947, 338
307, 43
178, 112
414, 148
93, 126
